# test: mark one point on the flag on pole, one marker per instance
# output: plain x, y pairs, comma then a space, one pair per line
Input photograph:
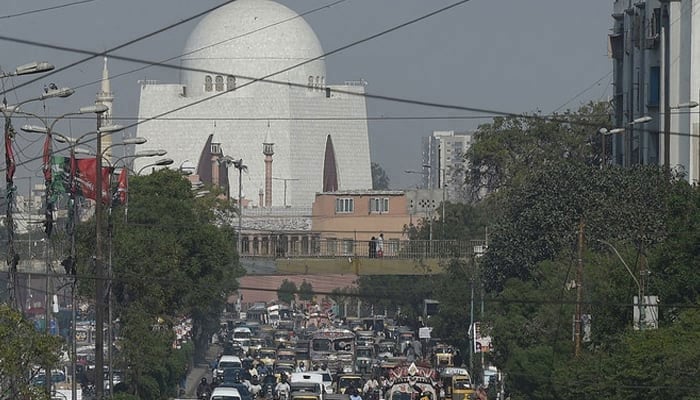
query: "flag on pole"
122, 186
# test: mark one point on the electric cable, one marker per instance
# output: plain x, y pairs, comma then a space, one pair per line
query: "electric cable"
45, 9
158, 63
115, 48
581, 93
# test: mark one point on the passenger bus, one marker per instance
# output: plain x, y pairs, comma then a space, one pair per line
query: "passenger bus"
277, 313
334, 347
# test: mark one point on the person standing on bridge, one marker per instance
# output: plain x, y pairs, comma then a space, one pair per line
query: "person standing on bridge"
373, 247
380, 245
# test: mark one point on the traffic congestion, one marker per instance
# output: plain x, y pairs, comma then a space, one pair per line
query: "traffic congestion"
277, 353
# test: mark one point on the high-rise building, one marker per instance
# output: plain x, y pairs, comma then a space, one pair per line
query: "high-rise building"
655, 48
257, 69
444, 164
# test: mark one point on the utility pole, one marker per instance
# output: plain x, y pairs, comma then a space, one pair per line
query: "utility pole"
579, 290
642, 296
99, 272
665, 20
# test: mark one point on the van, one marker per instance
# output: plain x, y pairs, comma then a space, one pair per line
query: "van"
225, 393
308, 382
224, 363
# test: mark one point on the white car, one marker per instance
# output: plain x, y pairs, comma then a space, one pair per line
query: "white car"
225, 393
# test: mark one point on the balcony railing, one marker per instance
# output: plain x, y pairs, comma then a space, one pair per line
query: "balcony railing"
393, 249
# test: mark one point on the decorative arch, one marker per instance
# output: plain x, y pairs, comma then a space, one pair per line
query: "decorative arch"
330, 168
208, 83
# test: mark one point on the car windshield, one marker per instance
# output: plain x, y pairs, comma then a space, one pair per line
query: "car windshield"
224, 397
229, 364
364, 353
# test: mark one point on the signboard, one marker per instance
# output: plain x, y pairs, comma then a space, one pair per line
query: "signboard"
482, 343
424, 332
646, 314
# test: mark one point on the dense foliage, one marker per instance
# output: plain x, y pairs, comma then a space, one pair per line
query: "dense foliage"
172, 259
380, 180
22, 350
640, 230
286, 293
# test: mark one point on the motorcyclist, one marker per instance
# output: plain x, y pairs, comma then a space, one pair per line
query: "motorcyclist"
282, 389
324, 369
254, 387
301, 367
355, 394
370, 386
203, 389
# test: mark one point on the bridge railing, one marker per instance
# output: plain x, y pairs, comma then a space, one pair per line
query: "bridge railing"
394, 249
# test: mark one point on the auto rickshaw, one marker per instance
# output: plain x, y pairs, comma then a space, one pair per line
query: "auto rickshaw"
462, 387
457, 383
267, 356
347, 381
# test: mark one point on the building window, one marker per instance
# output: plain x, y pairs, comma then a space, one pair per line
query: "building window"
311, 82
379, 204
654, 86
230, 82
344, 205
219, 83
207, 83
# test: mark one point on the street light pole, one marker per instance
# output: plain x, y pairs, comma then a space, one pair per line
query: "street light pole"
640, 291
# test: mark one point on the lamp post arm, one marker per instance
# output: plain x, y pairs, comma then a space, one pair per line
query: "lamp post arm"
636, 281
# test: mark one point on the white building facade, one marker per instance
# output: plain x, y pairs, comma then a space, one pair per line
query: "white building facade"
644, 72
444, 163
291, 105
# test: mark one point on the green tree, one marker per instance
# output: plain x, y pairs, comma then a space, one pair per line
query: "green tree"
396, 292
541, 216
505, 151
286, 293
306, 291
23, 349
380, 180
172, 258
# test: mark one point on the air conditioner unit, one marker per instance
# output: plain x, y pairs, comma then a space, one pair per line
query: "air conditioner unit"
651, 42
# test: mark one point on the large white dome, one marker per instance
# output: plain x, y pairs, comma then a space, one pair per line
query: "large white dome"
251, 38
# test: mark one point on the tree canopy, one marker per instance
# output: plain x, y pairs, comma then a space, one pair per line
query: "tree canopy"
172, 258
23, 350
380, 180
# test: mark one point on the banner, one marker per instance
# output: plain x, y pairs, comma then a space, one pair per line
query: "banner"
122, 186
86, 177
84, 172
481, 342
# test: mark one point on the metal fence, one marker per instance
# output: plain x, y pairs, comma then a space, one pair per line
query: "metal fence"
394, 249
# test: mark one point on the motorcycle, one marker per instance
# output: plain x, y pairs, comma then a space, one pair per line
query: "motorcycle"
283, 395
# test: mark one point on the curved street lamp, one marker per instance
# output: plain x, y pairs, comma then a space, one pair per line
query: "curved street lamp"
34, 67
160, 163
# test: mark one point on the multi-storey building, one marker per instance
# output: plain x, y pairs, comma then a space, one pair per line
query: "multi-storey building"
444, 163
655, 47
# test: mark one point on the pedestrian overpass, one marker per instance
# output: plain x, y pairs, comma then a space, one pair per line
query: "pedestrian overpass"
332, 256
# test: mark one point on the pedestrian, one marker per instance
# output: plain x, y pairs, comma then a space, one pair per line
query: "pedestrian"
373, 247
380, 245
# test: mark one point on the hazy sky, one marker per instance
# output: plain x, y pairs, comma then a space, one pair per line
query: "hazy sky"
507, 55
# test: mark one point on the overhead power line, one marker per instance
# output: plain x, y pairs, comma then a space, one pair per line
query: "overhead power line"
115, 48
20, 14
151, 64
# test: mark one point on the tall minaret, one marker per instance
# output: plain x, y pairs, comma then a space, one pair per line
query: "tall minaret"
268, 151
105, 96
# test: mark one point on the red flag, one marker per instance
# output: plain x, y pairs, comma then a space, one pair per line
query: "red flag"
47, 159
87, 179
123, 186
9, 159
